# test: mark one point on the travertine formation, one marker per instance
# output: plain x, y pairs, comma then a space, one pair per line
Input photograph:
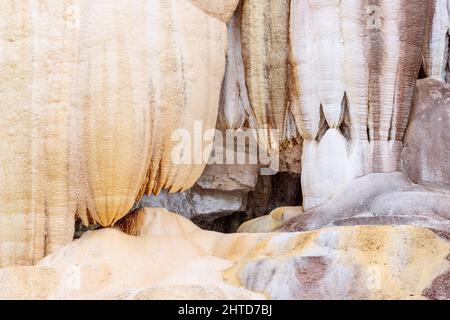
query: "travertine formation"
91, 94
105, 101
355, 70
220, 9
342, 73
363, 262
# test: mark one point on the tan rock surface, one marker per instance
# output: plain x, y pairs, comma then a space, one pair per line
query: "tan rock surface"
367, 262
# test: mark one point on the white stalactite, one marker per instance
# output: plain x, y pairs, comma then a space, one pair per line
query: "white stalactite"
369, 54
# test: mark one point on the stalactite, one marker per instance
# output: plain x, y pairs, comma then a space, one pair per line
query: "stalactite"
359, 60
235, 109
265, 48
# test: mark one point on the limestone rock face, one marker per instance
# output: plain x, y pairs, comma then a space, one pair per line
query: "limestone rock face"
368, 262
164, 74
425, 157
91, 93
108, 107
339, 73
361, 262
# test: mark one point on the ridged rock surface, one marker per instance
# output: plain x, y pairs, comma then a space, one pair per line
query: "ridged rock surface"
90, 102
368, 262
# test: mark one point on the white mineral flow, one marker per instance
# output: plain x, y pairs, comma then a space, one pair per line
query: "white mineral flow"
92, 93
437, 37
355, 63
265, 49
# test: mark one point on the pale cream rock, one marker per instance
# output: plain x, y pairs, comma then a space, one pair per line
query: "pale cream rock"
368, 263
38, 56
356, 69
166, 79
91, 93
329, 57
325, 167
108, 264
304, 62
